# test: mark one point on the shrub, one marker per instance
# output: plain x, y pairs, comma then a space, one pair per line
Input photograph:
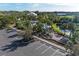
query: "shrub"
56, 29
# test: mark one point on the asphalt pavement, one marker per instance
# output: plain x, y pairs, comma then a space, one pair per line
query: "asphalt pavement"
12, 45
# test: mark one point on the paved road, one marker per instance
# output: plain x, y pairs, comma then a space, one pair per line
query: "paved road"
11, 45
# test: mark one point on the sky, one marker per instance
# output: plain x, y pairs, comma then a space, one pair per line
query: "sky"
39, 7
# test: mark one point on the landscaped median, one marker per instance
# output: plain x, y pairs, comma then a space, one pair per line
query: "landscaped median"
51, 42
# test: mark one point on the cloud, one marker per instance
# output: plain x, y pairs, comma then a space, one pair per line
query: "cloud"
35, 5
40, 6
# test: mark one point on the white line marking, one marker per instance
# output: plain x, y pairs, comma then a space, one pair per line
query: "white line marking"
63, 54
30, 45
61, 47
40, 46
16, 38
3, 55
55, 52
45, 50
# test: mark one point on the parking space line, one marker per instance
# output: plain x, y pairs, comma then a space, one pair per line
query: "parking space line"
3, 55
40, 46
63, 54
16, 37
32, 44
41, 39
45, 50
55, 52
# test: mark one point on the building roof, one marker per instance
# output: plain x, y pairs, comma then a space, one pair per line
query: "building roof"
58, 38
32, 14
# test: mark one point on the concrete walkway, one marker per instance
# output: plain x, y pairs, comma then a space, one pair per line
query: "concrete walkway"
58, 46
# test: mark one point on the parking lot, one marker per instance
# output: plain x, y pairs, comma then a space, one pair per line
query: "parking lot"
11, 47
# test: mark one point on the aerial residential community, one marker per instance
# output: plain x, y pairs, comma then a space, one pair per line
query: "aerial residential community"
36, 33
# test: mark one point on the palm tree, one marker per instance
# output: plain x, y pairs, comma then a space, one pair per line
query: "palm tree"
25, 26
28, 30
38, 28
